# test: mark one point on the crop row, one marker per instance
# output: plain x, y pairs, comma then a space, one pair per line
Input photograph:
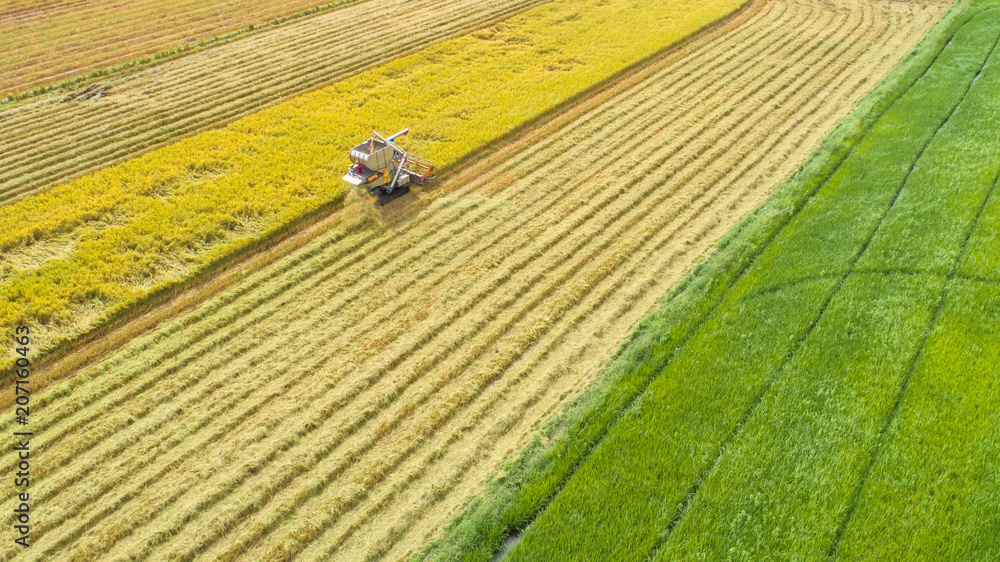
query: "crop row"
795, 419
47, 141
82, 252
46, 42
349, 398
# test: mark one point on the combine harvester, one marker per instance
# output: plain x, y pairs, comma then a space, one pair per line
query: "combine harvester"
381, 171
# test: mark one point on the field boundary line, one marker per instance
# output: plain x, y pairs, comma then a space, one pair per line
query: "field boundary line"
876, 451
871, 272
662, 364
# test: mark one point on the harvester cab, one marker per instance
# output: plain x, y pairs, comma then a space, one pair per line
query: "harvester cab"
382, 171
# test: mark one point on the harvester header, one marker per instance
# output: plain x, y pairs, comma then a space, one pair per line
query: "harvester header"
382, 171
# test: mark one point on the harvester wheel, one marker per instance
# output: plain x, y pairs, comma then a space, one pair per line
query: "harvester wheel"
383, 198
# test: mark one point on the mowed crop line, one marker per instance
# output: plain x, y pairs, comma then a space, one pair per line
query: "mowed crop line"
90, 27
135, 117
328, 272
586, 313
272, 397
94, 25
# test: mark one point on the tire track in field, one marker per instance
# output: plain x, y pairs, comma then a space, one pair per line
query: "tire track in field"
876, 451
881, 271
210, 88
556, 309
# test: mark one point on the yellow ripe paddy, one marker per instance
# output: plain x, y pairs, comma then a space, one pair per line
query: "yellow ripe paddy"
83, 252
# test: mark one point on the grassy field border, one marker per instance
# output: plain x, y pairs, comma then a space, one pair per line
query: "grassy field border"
525, 486
169, 53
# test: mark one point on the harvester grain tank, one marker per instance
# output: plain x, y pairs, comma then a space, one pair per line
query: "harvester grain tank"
383, 171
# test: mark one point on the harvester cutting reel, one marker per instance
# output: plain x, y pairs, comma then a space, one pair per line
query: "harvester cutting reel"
381, 171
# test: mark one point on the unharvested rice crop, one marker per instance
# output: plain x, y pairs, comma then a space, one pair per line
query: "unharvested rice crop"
44, 41
839, 400
349, 399
53, 138
81, 253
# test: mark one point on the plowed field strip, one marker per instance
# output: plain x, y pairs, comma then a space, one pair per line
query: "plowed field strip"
45, 141
385, 375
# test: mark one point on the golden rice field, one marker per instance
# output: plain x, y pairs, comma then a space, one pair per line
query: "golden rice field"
348, 400
45, 41
85, 251
46, 140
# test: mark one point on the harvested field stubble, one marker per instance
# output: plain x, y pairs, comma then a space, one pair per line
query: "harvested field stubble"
46, 140
44, 41
350, 398
89, 251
